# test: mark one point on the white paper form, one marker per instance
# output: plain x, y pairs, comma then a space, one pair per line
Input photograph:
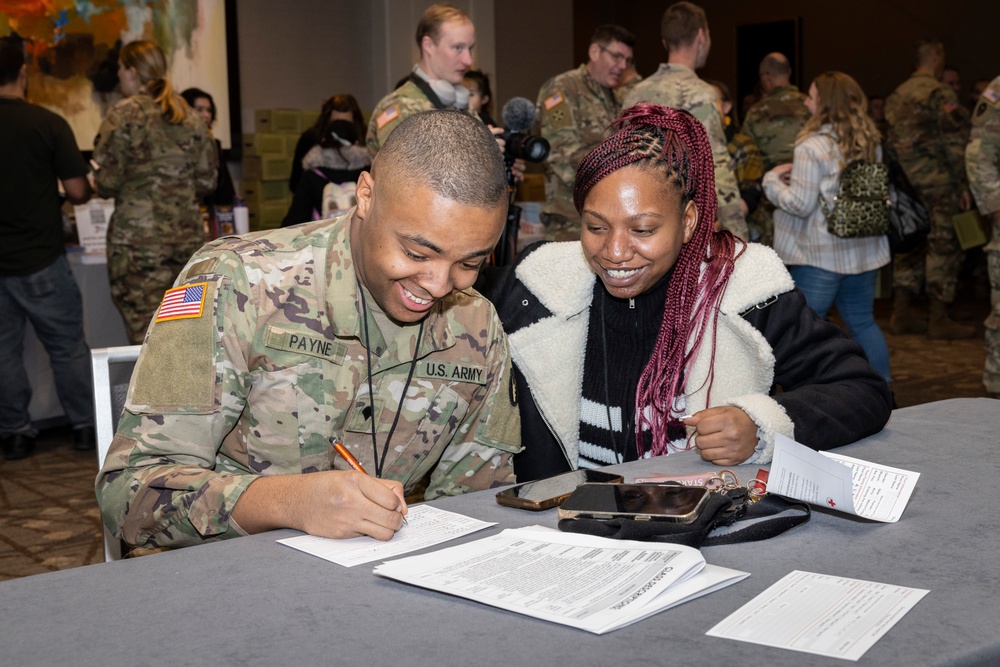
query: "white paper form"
821, 614
839, 482
426, 527
592, 583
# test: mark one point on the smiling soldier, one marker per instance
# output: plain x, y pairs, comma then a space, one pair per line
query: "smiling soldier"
363, 328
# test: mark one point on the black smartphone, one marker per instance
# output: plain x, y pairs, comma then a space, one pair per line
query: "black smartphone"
549, 492
642, 502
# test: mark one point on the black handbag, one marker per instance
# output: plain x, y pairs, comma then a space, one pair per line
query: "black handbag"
729, 518
909, 220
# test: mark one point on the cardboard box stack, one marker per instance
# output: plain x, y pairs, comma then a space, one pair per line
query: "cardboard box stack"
267, 163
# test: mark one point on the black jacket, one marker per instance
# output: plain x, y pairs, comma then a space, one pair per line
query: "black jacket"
822, 390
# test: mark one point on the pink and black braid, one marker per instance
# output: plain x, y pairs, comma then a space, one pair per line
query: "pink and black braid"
674, 141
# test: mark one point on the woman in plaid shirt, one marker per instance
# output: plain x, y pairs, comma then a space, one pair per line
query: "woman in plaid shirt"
828, 269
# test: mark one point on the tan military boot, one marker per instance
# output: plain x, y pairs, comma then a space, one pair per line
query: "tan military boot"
903, 319
942, 327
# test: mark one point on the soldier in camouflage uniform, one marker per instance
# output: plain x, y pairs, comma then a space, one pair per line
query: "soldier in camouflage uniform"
445, 37
157, 160
982, 162
773, 123
927, 126
363, 328
576, 108
684, 29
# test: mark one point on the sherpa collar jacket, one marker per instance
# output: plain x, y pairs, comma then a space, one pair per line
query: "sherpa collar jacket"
790, 371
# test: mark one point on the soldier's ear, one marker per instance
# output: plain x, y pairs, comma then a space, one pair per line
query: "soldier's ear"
364, 192
594, 52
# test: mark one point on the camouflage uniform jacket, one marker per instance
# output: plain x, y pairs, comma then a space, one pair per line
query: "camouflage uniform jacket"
982, 155
575, 110
774, 122
156, 171
392, 109
677, 86
276, 366
927, 129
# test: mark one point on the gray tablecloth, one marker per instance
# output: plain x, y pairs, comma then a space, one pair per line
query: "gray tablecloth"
252, 601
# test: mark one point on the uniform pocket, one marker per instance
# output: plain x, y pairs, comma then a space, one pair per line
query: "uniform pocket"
288, 428
431, 415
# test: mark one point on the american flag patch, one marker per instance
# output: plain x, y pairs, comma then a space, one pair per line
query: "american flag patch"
950, 106
182, 302
991, 95
387, 116
553, 100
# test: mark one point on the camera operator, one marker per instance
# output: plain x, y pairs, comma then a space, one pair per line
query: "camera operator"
576, 107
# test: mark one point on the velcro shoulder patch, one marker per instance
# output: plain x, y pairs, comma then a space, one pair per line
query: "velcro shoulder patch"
554, 100
183, 303
991, 95
558, 114
390, 114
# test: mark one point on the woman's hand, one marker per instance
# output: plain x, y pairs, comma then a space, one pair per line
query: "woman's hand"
725, 435
784, 172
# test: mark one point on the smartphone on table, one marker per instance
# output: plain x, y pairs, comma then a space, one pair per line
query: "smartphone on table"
642, 502
543, 494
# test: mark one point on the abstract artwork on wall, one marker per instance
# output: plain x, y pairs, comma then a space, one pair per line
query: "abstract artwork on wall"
72, 48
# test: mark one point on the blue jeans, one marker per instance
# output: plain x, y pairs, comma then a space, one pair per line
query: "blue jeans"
51, 300
854, 296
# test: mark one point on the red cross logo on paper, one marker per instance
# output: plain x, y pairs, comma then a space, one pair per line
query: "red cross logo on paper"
829, 501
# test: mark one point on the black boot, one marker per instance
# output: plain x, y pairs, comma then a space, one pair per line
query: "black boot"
18, 446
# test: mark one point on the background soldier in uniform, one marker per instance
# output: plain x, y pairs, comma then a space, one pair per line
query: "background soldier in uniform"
684, 29
982, 162
773, 123
445, 37
927, 126
362, 328
576, 108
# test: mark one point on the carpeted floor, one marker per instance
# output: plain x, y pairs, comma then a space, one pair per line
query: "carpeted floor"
49, 518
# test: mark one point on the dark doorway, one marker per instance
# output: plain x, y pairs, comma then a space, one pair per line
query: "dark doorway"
753, 42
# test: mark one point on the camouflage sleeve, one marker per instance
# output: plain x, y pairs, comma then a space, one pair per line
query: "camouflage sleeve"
730, 214
748, 164
953, 132
982, 155
390, 112
162, 483
481, 456
113, 148
206, 170
558, 107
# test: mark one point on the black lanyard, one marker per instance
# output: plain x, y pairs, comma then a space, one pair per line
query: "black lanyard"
380, 461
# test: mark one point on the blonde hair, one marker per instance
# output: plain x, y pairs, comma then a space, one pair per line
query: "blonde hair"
844, 105
151, 66
436, 16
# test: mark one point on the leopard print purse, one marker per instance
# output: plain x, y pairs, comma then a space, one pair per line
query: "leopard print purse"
861, 205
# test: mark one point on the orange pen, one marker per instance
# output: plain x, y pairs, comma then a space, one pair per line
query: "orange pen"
347, 456
353, 462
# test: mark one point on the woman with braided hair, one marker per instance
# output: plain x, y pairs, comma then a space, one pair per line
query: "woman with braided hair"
654, 333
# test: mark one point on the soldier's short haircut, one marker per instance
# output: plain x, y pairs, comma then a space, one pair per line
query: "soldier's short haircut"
434, 17
925, 50
450, 152
11, 61
775, 64
607, 33
681, 23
